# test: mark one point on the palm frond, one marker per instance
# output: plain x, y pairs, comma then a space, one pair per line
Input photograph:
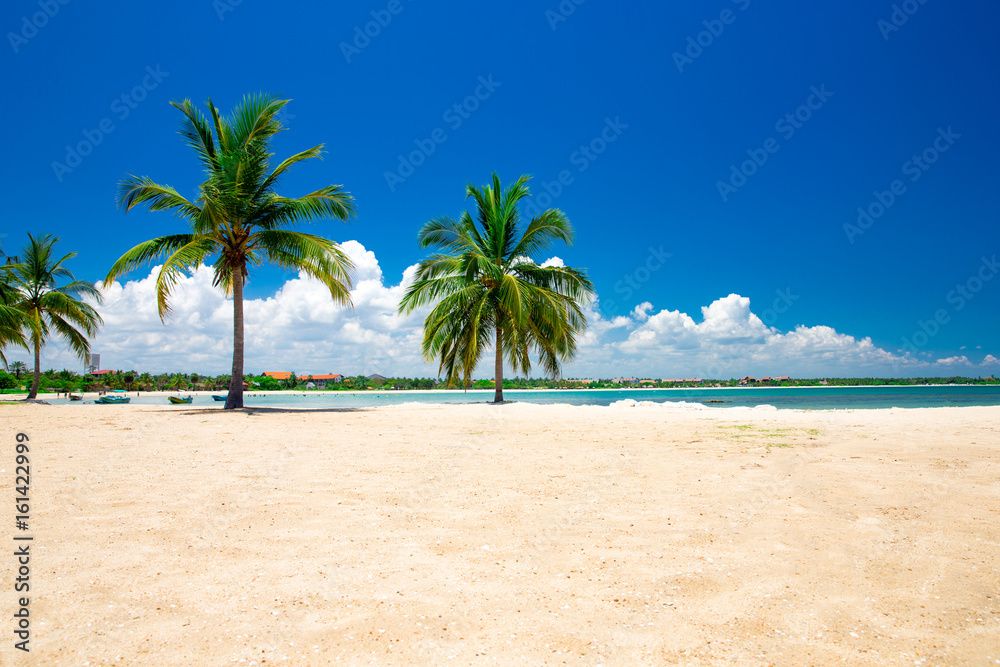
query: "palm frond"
142, 190
312, 153
197, 133
313, 255
56, 304
146, 252
329, 202
77, 340
542, 231
182, 261
254, 119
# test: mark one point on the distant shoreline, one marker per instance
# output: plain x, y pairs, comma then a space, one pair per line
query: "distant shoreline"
321, 392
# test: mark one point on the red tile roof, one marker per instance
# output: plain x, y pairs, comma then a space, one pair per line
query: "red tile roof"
284, 375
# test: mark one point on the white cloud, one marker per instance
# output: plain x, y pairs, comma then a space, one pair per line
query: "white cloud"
955, 361
641, 312
299, 328
554, 261
730, 340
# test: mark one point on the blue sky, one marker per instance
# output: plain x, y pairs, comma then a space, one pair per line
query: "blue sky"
642, 121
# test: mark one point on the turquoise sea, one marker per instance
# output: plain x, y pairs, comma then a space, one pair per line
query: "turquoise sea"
796, 398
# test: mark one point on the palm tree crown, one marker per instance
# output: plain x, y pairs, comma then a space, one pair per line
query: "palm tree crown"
238, 218
486, 284
45, 306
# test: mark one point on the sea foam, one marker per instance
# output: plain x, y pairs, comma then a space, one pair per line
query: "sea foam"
685, 405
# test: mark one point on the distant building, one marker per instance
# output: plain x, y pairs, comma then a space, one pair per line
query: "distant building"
749, 379
92, 363
319, 380
323, 380
376, 376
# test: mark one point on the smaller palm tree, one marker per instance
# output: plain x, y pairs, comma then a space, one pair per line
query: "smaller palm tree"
11, 319
486, 284
18, 368
48, 307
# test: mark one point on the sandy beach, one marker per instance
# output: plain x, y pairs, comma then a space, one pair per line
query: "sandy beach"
515, 534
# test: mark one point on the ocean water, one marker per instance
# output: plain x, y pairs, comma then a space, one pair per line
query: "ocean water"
795, 398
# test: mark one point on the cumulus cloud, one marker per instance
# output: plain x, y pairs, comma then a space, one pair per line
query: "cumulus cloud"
730, 340
299, 328
955, 361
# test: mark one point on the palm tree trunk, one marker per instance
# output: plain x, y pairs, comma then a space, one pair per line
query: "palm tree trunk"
38, 372
235, 398
498, 371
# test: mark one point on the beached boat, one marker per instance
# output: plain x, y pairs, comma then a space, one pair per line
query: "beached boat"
176, 400
76, 397
111, 400
219, 398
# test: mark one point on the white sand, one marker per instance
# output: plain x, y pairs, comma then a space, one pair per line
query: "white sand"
515, 534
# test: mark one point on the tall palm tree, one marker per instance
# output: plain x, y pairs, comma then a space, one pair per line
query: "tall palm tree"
238, 219
486, 283
46, 307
